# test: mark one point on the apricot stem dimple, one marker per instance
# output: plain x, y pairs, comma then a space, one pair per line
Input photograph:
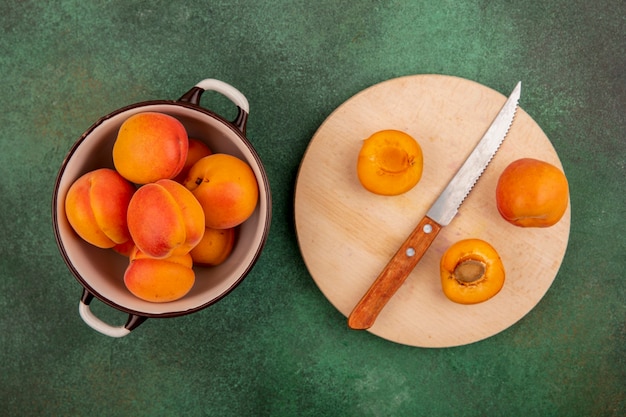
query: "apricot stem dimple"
469, 271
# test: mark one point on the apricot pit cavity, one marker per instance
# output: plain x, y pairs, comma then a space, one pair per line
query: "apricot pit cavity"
469, 271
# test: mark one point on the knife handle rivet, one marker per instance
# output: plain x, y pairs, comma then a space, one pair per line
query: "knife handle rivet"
428, 228
410, 252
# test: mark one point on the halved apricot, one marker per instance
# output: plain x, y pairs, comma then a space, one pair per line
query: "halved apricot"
390, 163
471, 272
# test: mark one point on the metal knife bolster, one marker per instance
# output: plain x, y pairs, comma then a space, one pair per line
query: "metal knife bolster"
440, 214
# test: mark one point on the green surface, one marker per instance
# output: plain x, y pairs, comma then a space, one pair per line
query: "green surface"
276, 346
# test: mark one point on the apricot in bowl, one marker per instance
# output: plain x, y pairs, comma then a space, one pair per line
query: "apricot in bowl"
226, 188
389, 163
197, 150
150, 146
214, 248
159, 280
96, 206
165, 219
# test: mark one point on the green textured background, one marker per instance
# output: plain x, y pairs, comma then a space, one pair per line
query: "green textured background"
276, 346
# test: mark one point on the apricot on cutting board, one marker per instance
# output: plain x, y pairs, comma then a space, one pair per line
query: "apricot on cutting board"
532, 193
390, 162
471, 272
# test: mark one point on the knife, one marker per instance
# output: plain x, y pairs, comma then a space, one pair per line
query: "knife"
439, 215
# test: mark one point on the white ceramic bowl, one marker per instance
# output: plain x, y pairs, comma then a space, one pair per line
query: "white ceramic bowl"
101, 271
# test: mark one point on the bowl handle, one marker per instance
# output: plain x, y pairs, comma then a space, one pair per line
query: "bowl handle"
230, 92
102, 327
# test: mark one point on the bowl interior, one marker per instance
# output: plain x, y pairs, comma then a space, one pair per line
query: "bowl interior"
102, 270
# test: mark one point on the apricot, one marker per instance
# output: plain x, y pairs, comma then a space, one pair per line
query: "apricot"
125, 248
226, 188
150, 146
165, 219
159, 280
214, 247
532, 193
471, 272
197, 150
390, 163
95, 206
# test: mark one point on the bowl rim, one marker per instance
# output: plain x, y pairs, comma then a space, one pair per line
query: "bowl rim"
55, 201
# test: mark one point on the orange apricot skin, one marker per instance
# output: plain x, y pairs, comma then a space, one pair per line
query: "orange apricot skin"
95, 206
197, 150
159, 280
390, 162
532, 193
165, 219
478, 291
214, 248
125, 249
226, 188
150, 146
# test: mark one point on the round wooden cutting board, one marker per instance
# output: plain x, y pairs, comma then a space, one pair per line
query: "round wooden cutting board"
347, 234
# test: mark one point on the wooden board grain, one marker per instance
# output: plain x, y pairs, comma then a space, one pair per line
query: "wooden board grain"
347, 234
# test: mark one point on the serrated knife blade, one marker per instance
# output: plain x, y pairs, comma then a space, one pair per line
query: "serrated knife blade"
439, 215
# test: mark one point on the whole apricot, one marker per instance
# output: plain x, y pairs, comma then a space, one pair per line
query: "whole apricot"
150, 146
226, 188
95, 206
471, 272
197, 150
390, 162
159, 280
532, 193
125, 248
214, 247
165, 219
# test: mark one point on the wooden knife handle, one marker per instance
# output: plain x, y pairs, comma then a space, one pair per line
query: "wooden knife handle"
394, 274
